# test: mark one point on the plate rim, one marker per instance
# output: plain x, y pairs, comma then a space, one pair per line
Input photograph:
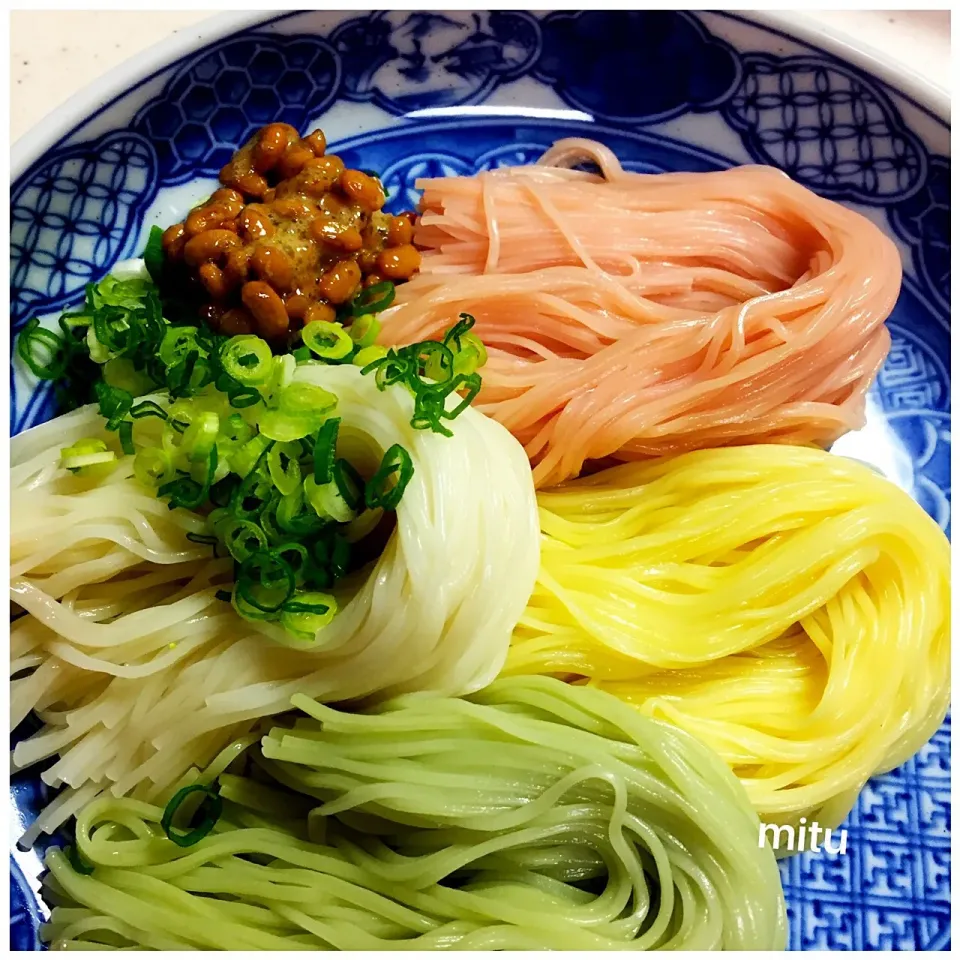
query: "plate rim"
98, 96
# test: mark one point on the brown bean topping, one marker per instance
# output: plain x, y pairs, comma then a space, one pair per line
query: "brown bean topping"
173, 241
290, 234
214, 216
273, 265
248, 182
270, 146
319, 311
294, 160
267, 308
235, 322
399, 232
297, 306
362, 189
226, 195
350, 240
214, 281
338, 285
317, 142
324, 230
209, 246
367, 260
293, 208
236, 267
328, 231
399, 263
255, 222
318, 176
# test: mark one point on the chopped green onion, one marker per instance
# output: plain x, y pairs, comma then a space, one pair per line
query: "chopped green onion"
281, 376
265, 582
325, 450
307, 613
153, 467
296, 556
115, 403
248, 360
201, 436
147, 408
120, 372
327, 501
307, 400
248, 457
246, 489
125, 433
244, 398
185, 492
42, 351
203, 538
368, 355
86, 453
242, 539
283, 463
471, 356
436, 361
364, 330
153, 253
473, 384
374, 299
452, 338
384, 489
329, 341
283, 427
211, 807
349, 484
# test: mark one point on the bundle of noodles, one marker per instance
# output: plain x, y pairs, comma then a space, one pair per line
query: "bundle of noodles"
138, 672
636, 315
789, 607
533, 815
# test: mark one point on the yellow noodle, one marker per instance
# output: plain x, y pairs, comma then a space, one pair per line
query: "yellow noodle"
789, 607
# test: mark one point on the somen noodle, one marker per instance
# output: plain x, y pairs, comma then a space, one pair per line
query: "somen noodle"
635, 315
139, 672
531, 815
789, 607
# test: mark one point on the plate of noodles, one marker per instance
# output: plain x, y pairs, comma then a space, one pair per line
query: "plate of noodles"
481, 481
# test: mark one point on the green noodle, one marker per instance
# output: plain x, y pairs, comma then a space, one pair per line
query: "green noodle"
530, 815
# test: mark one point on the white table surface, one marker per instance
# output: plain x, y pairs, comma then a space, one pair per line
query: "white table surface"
56, 53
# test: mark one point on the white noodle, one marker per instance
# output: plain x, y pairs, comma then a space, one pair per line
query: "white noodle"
142, 674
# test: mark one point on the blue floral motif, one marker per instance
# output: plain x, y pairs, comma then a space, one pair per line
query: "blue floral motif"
221, 98
405, 61
75, 213
642, 66
399, 178
827, 126
923, 220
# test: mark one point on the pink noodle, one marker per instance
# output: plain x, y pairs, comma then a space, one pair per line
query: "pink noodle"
635, 315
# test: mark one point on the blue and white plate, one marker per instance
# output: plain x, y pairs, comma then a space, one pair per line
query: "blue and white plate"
417, 94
